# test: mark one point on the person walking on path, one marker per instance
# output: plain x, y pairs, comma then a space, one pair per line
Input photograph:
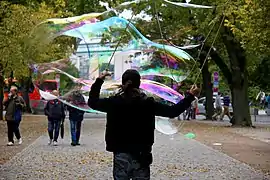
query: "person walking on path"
14, 106
76, 118
55, 112
226, 105
218, 106
131, 124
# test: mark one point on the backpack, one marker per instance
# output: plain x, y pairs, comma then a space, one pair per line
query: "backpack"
55, 108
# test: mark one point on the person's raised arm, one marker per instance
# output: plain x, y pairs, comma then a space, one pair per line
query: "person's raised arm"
177, 109
94, 101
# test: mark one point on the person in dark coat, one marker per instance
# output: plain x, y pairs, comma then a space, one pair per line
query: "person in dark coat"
76, 117
14, 106
131, 124
55, 112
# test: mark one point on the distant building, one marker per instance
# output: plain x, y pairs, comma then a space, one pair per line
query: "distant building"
122, 62
90, 50
93, 67
91, 58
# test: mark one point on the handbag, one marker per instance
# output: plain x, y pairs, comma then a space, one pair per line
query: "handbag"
62, 130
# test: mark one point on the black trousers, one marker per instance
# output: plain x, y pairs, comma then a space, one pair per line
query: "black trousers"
13, 128
126, 167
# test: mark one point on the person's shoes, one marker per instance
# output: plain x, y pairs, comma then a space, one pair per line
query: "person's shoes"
73, 144
78, 144
20, 141
10, 143
55, 143
50, 142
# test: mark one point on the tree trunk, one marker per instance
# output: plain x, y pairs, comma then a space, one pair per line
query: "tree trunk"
1, 93
241, 111
208, 89
25, 95
239, 81
26, 85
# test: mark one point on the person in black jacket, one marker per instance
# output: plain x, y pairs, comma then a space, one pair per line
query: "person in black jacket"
14, 105
131, 124
76, 117
55, 112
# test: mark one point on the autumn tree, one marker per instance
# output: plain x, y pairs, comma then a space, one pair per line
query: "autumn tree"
20, 45
242, 38
241, 45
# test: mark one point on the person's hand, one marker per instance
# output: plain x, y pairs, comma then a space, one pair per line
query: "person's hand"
104, 74
194, 90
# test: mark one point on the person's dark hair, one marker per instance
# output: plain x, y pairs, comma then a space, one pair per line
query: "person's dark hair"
131, 81
131, 77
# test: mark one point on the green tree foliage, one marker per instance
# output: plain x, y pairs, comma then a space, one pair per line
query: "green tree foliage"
79, 7
240, 42
261, 76
21, 44
65, 82
251, 26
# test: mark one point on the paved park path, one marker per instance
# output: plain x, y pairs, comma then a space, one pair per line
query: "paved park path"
175, 158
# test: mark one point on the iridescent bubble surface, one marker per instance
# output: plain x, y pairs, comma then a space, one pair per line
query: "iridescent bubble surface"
97, 38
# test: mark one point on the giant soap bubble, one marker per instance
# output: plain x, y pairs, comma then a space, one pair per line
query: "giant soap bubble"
148, 57
105, 42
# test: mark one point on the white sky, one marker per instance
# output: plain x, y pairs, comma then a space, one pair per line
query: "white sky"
127, 14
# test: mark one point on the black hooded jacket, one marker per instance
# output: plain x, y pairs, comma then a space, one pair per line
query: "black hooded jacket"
131, 121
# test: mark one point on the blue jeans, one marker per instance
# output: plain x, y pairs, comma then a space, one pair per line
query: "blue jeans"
75, 130
54, 126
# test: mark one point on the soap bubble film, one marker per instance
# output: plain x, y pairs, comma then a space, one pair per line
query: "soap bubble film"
105, 41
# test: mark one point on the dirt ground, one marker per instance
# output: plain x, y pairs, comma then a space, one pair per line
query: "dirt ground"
244, 144
31, 128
